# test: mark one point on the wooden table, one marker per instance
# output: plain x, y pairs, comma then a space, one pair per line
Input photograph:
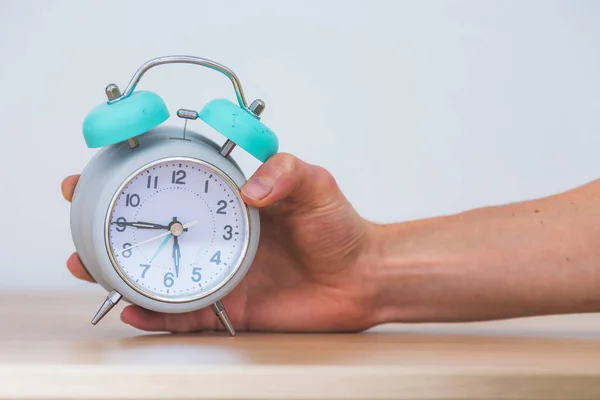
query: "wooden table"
49, 349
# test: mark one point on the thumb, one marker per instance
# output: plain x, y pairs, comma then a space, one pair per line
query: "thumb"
285, 177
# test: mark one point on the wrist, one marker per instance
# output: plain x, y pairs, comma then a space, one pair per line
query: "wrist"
395, 274
403, 272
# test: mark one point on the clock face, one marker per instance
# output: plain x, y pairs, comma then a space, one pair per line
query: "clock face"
177, 230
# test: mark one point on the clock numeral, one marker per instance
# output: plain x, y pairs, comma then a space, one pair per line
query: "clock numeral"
121, 224
150, 182
223, 205
228, 232
196, 275
168, 281
132, 200
206, 187
216, 258
145, 266
178, 177
126, 253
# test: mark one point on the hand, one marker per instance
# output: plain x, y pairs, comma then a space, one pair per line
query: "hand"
311, 271
176, 254
153, 238
140, 224
160, 247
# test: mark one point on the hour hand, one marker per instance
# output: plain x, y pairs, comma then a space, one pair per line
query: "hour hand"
140, 224
176, 255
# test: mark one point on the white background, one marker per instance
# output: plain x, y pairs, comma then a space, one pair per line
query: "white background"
419, 108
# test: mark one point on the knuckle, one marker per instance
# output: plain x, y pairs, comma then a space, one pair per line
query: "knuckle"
324, 178
284, 163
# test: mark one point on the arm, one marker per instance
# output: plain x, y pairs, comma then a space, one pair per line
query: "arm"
528, 258
321, 267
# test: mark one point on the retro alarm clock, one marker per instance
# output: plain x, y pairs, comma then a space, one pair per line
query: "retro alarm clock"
157, 217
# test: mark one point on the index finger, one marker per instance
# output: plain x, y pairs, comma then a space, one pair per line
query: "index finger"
68, 186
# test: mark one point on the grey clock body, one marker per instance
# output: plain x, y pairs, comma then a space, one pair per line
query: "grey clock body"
102, 178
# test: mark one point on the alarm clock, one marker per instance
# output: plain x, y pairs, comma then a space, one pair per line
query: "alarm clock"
156, 216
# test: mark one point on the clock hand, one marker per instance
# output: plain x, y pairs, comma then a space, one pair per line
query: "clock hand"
141, 225
162, 245
188, 225
176, 254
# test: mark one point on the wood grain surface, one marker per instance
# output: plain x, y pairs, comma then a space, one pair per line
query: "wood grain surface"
49, 350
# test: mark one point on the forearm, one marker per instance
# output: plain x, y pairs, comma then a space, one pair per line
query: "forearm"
530, 258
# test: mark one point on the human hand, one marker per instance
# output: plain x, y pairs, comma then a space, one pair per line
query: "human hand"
311, 271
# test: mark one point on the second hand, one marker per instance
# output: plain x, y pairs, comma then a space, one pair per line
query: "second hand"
188, 225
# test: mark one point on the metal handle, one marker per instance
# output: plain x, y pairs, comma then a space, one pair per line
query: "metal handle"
185, 60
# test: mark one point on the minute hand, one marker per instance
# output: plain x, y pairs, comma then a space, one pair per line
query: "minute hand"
140, 224
153, 238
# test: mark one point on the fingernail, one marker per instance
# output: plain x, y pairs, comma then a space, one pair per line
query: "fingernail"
258, 188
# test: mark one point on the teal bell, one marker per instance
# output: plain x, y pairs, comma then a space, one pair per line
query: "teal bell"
241, 127
114, 122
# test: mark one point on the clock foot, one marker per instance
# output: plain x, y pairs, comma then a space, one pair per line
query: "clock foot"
111, 300
221, 313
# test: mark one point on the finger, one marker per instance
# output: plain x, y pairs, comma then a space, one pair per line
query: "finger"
76, 268
153, 321
284, 176
68, 186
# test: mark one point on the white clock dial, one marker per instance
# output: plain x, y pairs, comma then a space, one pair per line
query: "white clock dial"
177, 230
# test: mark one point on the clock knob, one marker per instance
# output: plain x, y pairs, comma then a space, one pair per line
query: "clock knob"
257, 107
123, 118
242, 127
